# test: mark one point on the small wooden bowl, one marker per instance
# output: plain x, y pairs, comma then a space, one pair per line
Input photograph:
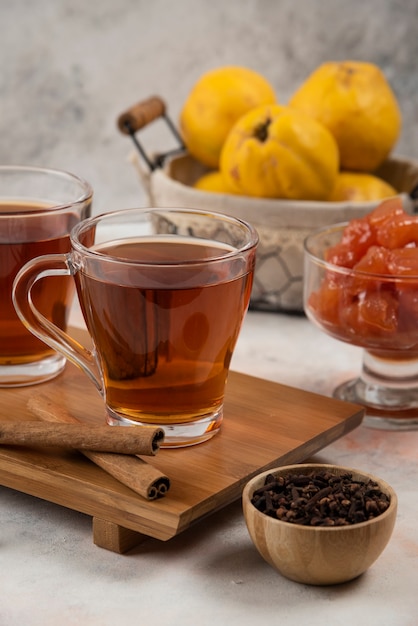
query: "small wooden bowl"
318, 555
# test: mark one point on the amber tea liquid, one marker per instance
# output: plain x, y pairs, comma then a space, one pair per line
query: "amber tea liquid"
165, 335
20, 241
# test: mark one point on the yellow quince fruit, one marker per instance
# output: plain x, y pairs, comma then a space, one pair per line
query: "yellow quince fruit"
360, 187
274, 151
216, 101
356, 103
214, 182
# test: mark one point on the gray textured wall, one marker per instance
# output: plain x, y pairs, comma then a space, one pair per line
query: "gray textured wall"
69, 67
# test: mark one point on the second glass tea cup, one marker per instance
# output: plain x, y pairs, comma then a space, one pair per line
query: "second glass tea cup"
38, 209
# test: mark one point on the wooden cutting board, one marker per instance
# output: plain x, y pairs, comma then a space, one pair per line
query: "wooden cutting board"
265, 425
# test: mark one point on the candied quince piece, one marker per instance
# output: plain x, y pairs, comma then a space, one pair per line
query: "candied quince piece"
365, 279
341, 254
403, 262
386, 210
398, 232
408, 318
376, 261
357, 237
327, 302
374, 315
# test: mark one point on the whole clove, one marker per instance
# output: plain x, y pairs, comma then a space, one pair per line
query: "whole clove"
320, 498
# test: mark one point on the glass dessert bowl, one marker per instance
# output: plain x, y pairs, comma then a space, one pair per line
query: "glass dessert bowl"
361, 287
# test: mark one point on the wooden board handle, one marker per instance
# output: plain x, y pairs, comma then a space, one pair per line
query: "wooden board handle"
141, 114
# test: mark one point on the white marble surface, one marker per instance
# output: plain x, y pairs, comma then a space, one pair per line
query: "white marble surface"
52, 574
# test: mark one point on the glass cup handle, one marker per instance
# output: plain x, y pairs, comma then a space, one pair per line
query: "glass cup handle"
39, 325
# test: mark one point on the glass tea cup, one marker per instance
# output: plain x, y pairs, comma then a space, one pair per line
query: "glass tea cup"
38, 209
163, 293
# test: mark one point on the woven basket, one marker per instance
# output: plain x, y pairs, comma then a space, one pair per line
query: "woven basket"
282, 225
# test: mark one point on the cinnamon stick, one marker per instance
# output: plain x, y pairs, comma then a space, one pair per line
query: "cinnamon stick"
137, 440
143, 478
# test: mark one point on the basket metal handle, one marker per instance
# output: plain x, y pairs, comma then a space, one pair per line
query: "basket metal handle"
140, 115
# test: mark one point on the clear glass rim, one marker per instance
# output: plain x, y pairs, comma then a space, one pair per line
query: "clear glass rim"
347, 271
86, 190
93, 221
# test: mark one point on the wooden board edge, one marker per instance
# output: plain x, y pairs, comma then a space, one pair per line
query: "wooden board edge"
313, 446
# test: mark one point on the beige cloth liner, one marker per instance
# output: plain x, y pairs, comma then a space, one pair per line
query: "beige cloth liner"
282, 225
